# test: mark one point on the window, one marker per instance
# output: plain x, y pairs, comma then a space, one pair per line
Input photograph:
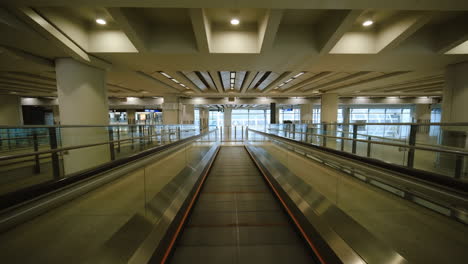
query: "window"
316, 115
250, 117
196, 117
292, 114
216, 118
382, 115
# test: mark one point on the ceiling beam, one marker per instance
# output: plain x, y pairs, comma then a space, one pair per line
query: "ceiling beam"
343, 79
268, 27
53, 34
271, 78
451, 34
28, 82
26, 87
133, 26
331, 28
201, 29
217, 82
369, 84
308, 81
29, 76
21, 55
240, 76
183, 79
400, 29
275, 83
249, 76
195, 80
159, 82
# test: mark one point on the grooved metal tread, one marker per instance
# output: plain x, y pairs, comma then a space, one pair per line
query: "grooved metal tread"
236, 219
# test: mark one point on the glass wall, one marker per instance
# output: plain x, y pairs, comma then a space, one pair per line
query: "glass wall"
382, 115
250, 117
196, 117
292, 114
316, 115
216, 118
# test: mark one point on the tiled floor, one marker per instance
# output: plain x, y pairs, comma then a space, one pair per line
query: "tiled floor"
237, 219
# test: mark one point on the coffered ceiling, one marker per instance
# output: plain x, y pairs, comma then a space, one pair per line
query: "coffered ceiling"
279, 49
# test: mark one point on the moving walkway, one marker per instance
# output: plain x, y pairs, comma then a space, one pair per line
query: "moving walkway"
193, 199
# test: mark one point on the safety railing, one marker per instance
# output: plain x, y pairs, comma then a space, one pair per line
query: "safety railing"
232, 133
445, 153
69, 150
331, 190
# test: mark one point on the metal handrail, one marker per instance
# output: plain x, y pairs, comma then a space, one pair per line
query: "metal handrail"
3, 158
385, 143
72, 126
386, 124
447, 148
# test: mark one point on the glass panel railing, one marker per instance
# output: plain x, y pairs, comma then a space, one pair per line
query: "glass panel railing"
34, 155
115, 220
434, 147
419, 225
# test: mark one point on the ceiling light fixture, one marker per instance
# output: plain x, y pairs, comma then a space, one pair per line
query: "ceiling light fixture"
367, 23
174, 80
101, 21
290, 79
165, 74
232, 79
299, 74
235, 21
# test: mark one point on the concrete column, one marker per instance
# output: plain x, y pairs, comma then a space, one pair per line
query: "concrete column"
329, 108
204, 115
56, 113
455, 97
306, 113
131, 116
82, 99
273, 114
187, 114
227, 116
277, 115
455, 109
170, 109
10, 110
346, 115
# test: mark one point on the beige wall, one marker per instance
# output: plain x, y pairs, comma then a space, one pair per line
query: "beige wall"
10, 110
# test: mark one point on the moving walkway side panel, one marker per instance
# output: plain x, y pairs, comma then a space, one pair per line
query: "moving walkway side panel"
335, 234
122, 219
237, 219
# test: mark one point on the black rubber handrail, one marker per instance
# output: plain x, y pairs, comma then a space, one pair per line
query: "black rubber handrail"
420, 175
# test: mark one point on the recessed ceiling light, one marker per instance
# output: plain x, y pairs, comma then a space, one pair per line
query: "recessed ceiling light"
299, 74
235, 21
13, 93
174, 80
165, 74
101, 21
367, 23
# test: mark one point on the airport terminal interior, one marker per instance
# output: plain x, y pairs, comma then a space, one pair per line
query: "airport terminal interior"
234, 131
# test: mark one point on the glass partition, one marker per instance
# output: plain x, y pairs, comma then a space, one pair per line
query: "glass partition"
118, 215
324, 184
35, 155
433, 147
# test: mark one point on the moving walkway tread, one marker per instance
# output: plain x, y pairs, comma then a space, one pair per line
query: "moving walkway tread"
237, 219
